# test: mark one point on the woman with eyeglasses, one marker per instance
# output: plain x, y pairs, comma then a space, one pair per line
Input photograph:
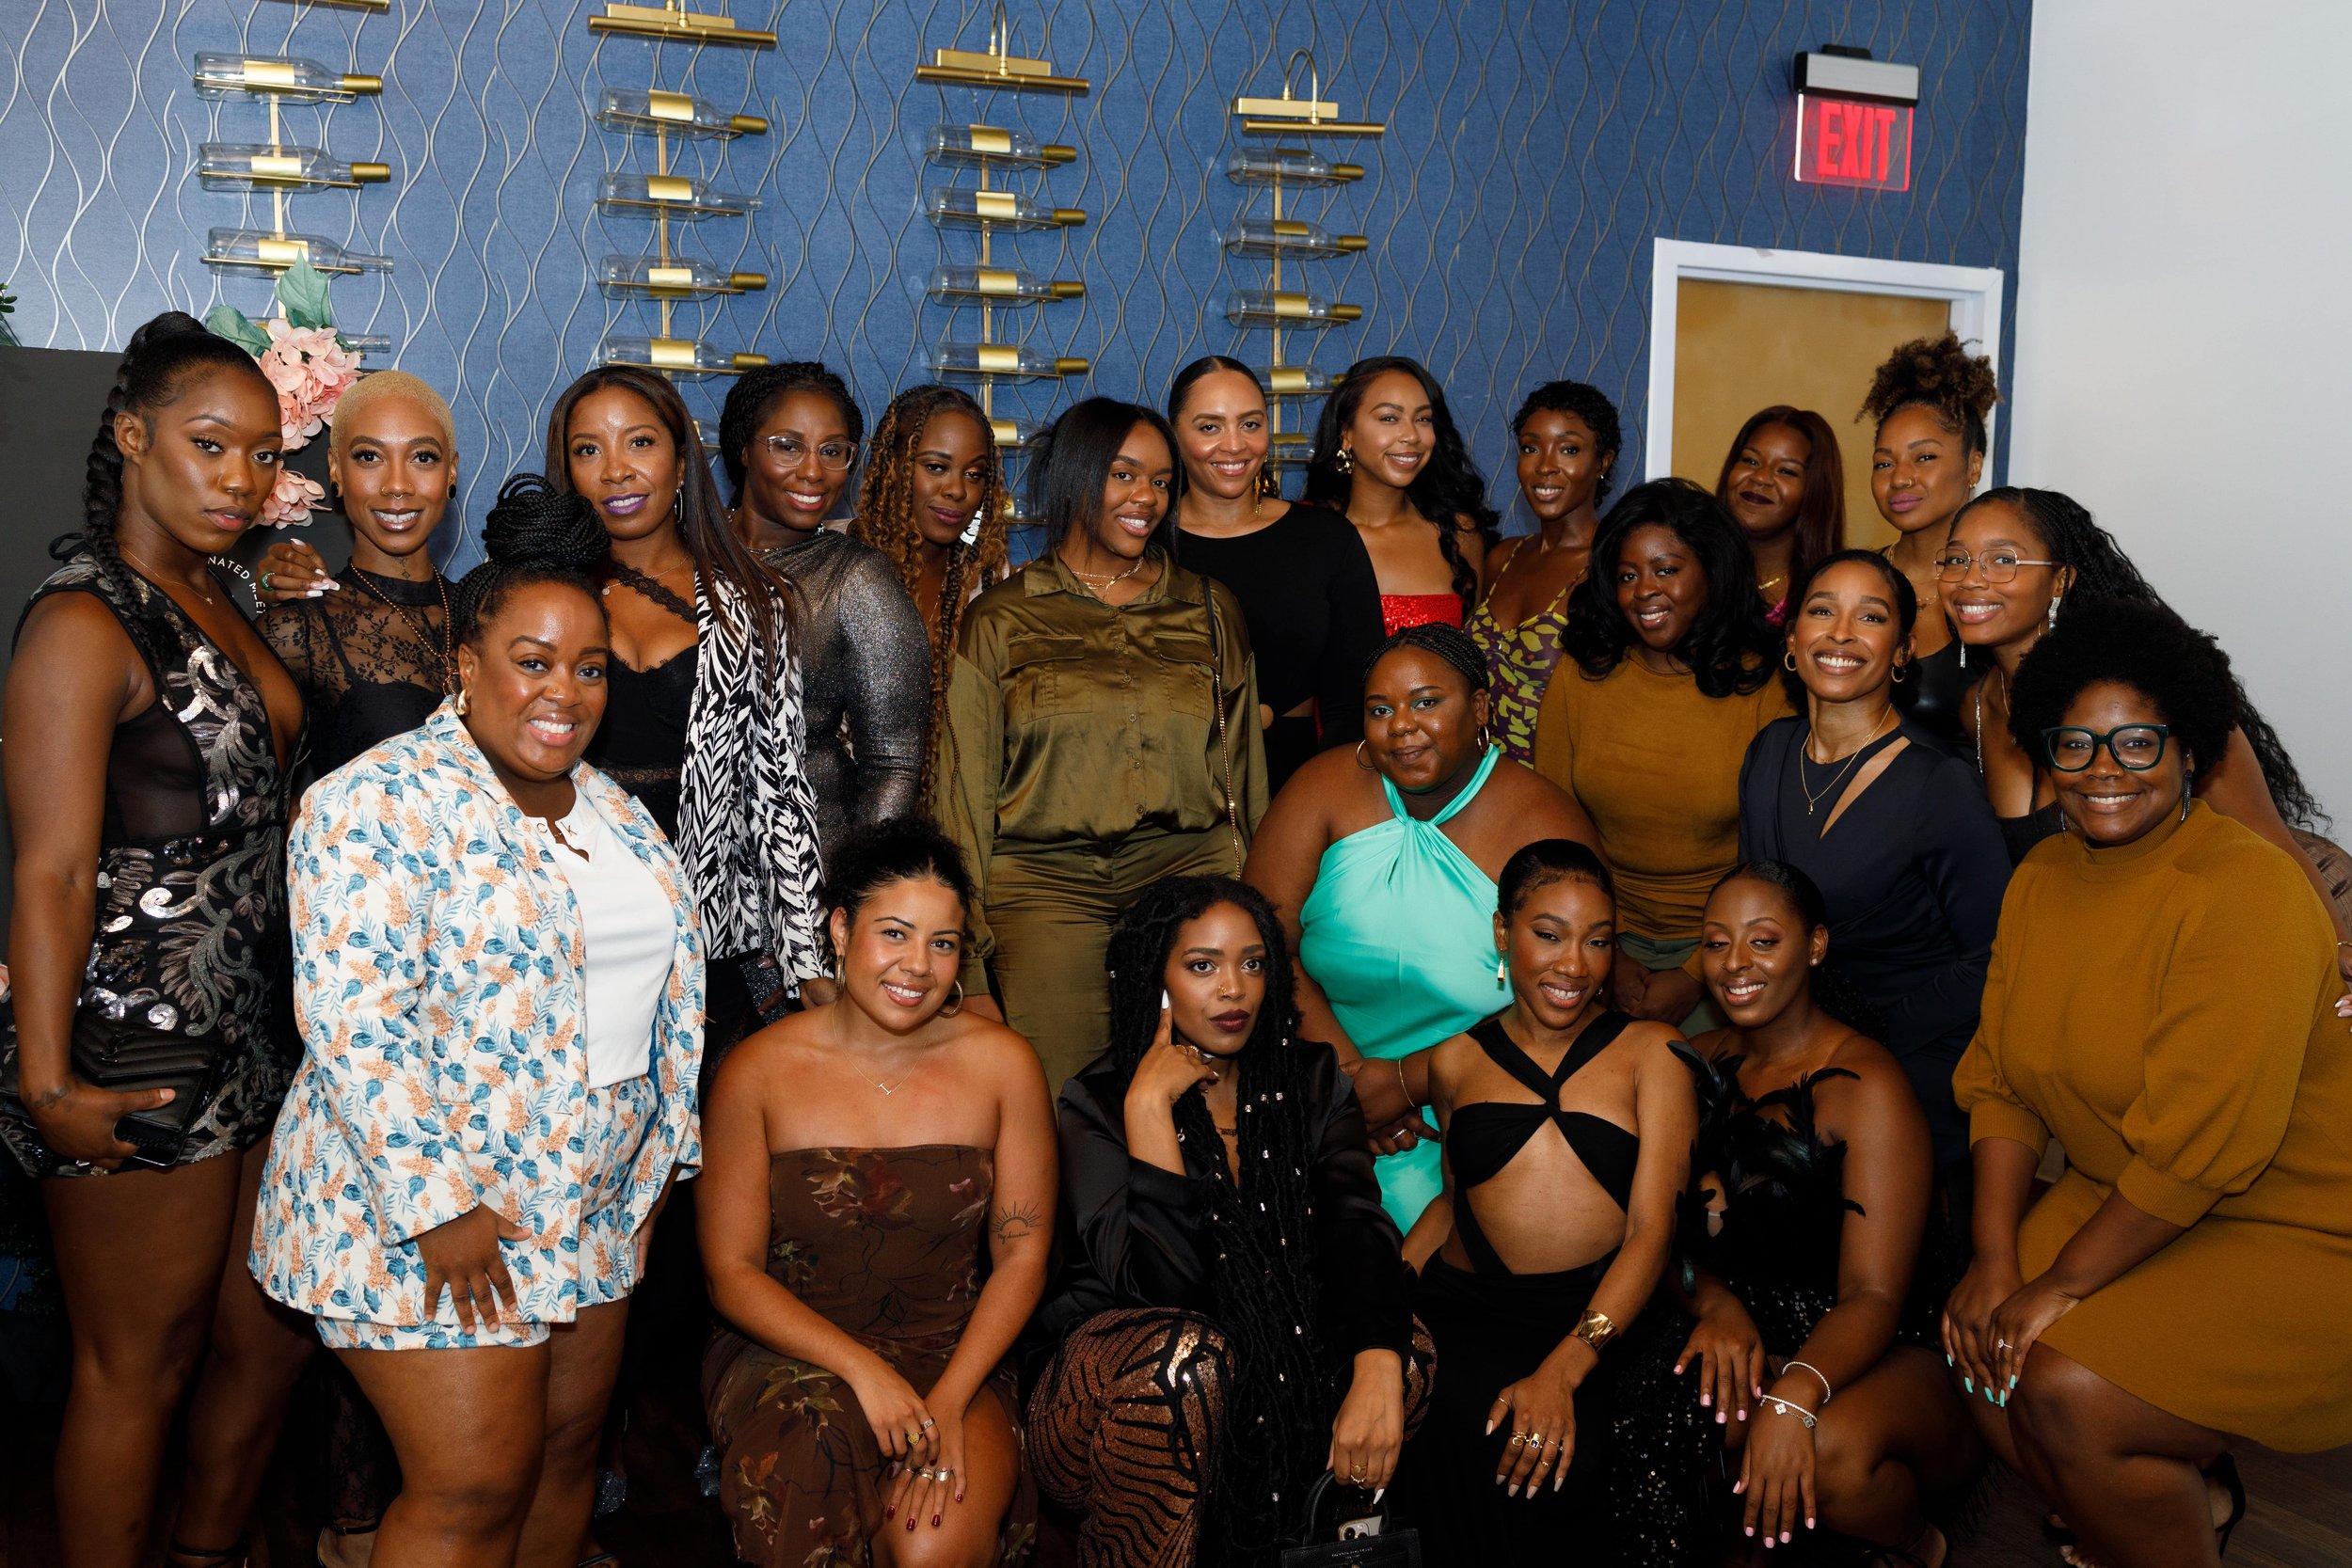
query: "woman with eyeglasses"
789, 435
2162, 1001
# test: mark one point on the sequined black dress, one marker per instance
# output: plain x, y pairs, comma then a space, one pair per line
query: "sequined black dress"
190, 935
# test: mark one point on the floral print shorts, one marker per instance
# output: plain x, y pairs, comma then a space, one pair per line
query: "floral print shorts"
616, 1123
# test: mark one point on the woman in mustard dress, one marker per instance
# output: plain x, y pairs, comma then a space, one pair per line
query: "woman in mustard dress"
2162, 1002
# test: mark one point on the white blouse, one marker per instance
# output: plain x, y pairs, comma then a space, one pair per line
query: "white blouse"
631, 940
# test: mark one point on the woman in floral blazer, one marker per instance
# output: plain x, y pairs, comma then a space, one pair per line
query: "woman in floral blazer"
484, 1125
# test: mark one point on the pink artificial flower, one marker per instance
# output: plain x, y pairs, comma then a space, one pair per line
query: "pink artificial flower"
292, 500
310, 369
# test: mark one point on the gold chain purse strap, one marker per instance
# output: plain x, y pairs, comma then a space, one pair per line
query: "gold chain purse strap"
1217, 705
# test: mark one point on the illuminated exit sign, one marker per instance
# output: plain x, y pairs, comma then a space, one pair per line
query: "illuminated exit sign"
1850, 141
1854, 117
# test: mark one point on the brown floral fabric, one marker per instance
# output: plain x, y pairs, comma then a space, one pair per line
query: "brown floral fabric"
886, 1244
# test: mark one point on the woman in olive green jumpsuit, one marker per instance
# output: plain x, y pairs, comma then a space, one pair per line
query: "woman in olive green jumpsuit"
1101, 730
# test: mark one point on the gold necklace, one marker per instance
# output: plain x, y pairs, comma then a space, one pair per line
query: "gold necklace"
416, 628
1090, 579
156, 577
1813, 800
1766, 586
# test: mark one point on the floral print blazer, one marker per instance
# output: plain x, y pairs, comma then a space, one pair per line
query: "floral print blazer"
439, 983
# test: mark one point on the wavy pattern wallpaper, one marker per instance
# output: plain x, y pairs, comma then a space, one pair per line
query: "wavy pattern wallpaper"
1534, 149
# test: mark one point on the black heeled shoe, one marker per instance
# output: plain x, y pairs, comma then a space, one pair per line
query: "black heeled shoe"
2224, 1472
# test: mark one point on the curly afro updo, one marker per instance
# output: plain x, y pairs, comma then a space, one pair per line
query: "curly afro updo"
2145, 646
1943, 378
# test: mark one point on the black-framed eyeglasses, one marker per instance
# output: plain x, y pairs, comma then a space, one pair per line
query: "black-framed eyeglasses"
790, 449
2136, 748
2000, 565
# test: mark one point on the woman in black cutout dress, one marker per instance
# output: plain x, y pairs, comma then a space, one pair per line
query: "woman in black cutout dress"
148, 729
1811, 1257
1564, 1246
1912, 866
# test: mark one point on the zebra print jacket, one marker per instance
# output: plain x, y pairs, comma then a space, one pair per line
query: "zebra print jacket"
747, 815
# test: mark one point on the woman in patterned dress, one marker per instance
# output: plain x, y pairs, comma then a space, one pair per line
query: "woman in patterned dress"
149, 732
463, 1181
864, 1157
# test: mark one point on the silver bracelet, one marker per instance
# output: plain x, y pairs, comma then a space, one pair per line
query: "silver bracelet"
1790, 1407
1826, 1395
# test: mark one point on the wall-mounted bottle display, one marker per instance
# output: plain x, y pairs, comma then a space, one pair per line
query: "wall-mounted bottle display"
1281, 308
672, 277
1288, 240
262, 251
368, 345
1007, 287
222, 165
1299, 167
968, 360
650, 112
986, 145
1278, 238
672, 195
980, 289
672, 22
678, 356
291, 78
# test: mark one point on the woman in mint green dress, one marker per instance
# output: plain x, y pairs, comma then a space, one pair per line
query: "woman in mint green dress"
1383, 862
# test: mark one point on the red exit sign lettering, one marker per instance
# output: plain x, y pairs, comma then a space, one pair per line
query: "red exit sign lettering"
1847, 141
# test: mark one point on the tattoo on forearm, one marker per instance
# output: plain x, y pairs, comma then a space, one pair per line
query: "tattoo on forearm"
49, 1096
1014, 1224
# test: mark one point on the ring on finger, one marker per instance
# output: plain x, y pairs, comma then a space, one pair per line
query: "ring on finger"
1551, 1443
929, 1423
2003, 1344
1519, 1440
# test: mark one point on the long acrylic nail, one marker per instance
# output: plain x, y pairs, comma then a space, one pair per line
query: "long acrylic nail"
1378, 1492
1949, 1362
2012, 1383
1513, 1491
1969, 1384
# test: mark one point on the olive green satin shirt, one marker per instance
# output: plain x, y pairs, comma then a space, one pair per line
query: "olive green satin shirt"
1074, 725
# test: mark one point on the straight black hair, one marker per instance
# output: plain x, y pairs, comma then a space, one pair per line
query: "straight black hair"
1075, 457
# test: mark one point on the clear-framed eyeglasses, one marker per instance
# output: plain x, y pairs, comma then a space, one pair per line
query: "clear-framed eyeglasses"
1999, 563
788, 450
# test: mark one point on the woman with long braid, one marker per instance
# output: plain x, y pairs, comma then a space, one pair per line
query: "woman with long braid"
1231, 1319
150, 731
462, 1185
789, 435
933, 503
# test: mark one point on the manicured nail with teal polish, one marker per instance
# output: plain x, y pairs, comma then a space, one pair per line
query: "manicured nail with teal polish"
1969, 1384
2012, 1383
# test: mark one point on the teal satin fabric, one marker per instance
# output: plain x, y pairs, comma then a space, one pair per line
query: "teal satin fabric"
1399, 932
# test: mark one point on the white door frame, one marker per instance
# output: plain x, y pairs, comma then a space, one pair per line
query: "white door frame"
1974, 293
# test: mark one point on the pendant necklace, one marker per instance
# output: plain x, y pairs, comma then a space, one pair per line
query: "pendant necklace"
1812, 799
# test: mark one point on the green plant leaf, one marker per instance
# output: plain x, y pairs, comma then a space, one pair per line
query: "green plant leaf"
302, 290
230, 323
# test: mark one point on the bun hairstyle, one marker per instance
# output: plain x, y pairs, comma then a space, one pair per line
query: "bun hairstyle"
1449, 486
533, 534
1587, 402
754, 393
901, 849
1073, 460
159, 358
1545, 861
1943, 378
1831, 992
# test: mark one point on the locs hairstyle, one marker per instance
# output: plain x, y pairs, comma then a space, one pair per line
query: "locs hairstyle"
2070, 537
1449, 486
1074, 461
1264, 1278
1821, 513
1587, 402
720, 557
533, 534
1730, 645
757, 392
158, 362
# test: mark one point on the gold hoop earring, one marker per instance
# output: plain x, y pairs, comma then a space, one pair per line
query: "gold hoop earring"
464, 704
1902, 672
950, 1009
1360, 757
1485, 738
1343, 461
1789, 657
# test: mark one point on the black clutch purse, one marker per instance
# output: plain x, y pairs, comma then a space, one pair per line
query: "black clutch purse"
121, 1055
1362, 1541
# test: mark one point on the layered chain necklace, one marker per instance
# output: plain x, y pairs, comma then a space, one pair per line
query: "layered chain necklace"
1094, 582
441, 652
1813, 799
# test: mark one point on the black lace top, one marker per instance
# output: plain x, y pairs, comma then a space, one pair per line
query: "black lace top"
370, 657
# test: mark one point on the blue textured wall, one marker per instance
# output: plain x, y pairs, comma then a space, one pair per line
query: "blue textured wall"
1535, 150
